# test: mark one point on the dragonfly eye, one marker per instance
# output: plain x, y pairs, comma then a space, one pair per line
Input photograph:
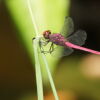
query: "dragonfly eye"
46, 34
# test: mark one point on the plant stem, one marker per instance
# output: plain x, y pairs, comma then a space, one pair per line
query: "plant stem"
50, 78
37, 64
32, 17
38, 72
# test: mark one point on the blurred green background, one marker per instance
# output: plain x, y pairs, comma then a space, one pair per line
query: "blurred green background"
76, 77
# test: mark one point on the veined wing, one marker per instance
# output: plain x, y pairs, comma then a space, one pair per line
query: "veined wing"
60, 51
78, 37
68, 27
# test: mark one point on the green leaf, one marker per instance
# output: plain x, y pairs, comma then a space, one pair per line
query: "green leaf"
49, 15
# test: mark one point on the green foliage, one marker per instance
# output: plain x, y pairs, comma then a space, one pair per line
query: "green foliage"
49, 14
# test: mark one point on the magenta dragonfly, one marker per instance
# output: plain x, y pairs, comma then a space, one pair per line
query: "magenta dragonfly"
73, 40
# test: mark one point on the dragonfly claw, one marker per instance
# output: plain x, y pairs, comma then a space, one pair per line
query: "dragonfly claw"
33, 38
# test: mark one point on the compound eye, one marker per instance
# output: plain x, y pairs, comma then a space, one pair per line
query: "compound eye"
46, 34
49, 32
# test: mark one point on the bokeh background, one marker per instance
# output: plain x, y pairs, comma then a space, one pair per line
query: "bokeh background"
76, 77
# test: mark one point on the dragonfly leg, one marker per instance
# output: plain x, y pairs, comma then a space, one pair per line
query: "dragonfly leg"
41, 44
51, 48
33, 38
42, 50
45, 52
49, 51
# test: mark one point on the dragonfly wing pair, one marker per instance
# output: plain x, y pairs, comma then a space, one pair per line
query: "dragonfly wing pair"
77, 38
66, 31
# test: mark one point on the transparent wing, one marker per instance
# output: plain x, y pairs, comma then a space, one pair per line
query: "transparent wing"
67, 51
78, 37
60, 51
68, 27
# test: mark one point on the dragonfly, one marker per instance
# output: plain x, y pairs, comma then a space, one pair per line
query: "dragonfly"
66, 39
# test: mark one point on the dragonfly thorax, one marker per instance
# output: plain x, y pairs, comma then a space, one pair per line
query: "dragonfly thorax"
57, 39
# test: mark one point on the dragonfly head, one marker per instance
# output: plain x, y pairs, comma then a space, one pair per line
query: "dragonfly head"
46, 34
